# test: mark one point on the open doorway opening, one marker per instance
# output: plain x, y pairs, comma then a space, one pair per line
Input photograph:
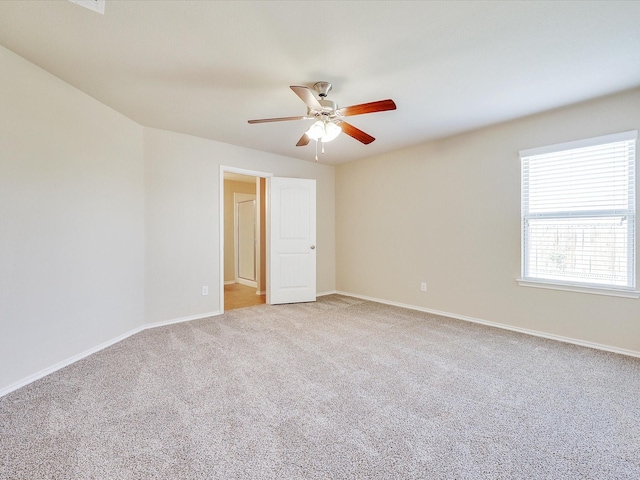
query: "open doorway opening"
244, 239
285, 259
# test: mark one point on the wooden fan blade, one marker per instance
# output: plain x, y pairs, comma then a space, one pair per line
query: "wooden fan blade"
304, 140
371, 107
281, 119
307, 97
356, 133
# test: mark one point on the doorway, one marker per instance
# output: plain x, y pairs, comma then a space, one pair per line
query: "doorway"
244, 255
286, 226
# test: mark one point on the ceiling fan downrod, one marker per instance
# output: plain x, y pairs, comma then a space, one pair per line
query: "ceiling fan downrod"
323, 88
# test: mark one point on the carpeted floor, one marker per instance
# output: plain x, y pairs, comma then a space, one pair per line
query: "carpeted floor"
337, 389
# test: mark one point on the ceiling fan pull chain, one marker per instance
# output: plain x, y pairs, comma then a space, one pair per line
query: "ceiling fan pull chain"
316, 150
322, 147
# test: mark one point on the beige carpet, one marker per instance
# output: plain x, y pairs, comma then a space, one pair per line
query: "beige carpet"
336, 389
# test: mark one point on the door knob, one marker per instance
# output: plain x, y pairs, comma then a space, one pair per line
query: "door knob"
313, 247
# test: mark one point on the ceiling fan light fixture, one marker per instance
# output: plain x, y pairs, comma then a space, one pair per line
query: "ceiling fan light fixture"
316, 131
324, 131
331, 131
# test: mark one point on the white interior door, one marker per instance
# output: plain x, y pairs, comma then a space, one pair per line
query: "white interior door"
292, 240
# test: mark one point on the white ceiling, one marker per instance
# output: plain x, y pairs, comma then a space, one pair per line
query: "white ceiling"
205, 67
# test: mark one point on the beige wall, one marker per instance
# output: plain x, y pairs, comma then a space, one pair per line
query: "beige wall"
448, 213
231, 187
105, 225
182, 219
71, 221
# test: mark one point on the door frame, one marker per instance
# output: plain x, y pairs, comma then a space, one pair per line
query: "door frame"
241, 171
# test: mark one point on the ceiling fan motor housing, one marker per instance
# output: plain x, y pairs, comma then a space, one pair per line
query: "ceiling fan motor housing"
328, 106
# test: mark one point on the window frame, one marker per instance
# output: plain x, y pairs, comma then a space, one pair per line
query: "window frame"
578, 286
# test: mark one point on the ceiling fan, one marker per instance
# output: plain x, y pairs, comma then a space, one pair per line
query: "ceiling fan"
329, 118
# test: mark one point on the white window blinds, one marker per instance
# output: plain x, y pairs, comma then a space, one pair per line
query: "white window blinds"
578, 212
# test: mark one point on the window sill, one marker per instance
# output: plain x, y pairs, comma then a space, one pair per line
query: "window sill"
579, 288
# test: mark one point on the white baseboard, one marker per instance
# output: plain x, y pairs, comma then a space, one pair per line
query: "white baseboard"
180, 320
535, 333
67, 362
322, 294
230, 282
119, 338
97, 348
247, 283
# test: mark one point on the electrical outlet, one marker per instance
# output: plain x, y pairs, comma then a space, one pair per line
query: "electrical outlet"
423, 287
205, 290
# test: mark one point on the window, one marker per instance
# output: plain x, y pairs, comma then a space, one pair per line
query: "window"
578, 215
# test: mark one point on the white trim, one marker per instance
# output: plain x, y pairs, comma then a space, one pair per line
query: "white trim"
587, 142
73, 359
332, 292
612, 292
259, 226
244, 171
190, 318
535, 333
93, 5
247, 283
42, 373
67, 362
230, 282
221, 232
260, 292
